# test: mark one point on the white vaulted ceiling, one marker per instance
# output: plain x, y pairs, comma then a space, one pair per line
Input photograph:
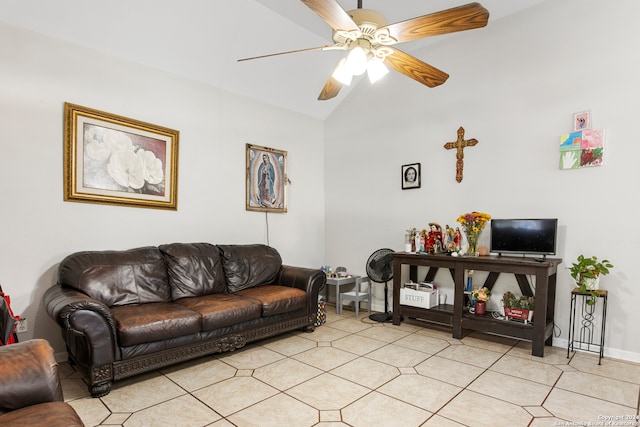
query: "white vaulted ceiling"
203, 39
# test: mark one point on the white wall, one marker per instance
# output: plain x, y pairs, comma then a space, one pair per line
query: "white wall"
38, 74
514, 86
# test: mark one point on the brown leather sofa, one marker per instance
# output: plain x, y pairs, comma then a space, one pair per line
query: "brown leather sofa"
30, 391
127, 312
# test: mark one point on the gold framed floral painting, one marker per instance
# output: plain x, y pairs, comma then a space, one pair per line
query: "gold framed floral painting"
266, 179
116, 160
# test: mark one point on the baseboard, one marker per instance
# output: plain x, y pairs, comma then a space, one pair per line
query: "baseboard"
379, 307
61, 357
612, 353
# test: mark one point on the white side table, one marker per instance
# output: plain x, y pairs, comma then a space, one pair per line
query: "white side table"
357, 295
337, 282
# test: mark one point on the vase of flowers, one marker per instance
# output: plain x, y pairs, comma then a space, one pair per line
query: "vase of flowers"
481, 296
472, 224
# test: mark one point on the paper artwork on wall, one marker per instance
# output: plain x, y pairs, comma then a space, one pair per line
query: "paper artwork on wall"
582, 120
581, 149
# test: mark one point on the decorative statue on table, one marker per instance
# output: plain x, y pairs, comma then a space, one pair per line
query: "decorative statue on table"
449, 239
434, 243
452, 238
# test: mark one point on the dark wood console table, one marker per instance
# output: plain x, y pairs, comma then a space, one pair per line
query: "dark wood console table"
540, 332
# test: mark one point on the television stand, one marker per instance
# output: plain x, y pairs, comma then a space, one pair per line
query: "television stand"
540, 332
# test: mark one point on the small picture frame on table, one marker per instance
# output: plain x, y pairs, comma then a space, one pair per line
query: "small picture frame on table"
411, 176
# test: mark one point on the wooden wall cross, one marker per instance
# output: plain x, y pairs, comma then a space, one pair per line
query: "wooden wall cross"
459, 145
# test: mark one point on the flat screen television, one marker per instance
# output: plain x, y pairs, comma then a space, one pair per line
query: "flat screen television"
524, 236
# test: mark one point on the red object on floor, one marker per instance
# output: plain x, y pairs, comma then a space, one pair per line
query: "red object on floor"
8, 320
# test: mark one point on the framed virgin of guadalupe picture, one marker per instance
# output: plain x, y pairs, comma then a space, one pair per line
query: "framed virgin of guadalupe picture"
410, 176
266, 179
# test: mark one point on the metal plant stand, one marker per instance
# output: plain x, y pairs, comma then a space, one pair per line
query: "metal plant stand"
588, 338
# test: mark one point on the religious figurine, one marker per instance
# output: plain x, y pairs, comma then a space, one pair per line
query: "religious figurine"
449, 239
458, 238
434, 238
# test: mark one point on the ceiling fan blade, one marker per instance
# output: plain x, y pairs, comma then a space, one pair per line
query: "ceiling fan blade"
330, 89
460, 18
332, 13
412, 67
285, 53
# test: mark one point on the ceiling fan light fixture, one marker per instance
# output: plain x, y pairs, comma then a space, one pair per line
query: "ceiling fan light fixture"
342, 73
357, 61
376, 69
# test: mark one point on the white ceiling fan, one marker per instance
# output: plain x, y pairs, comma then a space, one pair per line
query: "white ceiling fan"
369, 40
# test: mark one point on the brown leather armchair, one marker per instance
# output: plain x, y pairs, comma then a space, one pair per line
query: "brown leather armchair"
30, 390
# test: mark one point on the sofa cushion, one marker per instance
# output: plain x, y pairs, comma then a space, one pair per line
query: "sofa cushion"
246, 266
144, 323
220, 310
194, 269
50, 414
276, 299
134, 276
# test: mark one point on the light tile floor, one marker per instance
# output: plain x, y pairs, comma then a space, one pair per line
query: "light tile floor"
356, 372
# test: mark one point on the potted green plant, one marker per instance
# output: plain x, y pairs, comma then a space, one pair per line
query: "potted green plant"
520, 308
586, 272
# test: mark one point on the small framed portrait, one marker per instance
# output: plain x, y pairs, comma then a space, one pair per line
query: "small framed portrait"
410, 176
582, 121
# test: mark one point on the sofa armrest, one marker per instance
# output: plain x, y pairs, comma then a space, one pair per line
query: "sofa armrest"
86, 320
310, 280
28, 375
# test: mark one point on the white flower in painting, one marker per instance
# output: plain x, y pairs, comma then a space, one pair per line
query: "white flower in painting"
117, 141
152, 166
126, 168
95, 149
101, 142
